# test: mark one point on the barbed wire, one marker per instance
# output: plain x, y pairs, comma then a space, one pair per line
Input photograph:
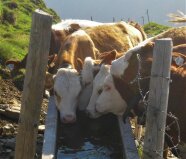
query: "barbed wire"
144, 97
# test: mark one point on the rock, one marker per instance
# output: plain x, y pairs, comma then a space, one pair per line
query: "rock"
8, 129
12, 154
10, 111
41, 129
1, 146
10, 143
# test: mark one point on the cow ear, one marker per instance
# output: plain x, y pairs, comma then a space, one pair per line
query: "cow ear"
79, 64
108, 58
74, 27
49, 81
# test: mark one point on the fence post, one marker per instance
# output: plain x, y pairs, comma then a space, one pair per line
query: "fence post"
158, 100
33, 85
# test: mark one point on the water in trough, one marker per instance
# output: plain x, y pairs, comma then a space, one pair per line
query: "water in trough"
90, 139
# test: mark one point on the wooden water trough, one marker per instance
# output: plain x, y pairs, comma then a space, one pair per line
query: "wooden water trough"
50, 137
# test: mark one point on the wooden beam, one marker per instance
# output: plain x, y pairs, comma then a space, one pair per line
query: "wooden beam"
158, 100
50, 137
33, 85
129, 147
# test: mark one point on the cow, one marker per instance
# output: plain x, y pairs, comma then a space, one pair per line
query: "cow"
120, 92
76, 46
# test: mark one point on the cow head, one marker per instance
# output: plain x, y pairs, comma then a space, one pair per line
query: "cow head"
110, 100
66, 85
115, 95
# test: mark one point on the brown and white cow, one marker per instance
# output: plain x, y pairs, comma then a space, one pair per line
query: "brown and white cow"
66, 83
119, 91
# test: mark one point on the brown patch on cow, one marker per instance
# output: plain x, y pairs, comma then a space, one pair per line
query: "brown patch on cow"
74, 27
110, 37
79, 64
76, 47
177, 101
180, 48
123, 88
109, 56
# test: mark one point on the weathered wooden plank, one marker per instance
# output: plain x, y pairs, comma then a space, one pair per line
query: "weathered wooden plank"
33, 85
50, 137
129, 147
158, 100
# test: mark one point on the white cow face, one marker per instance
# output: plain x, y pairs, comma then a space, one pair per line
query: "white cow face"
97, 89
110, 101
66, 90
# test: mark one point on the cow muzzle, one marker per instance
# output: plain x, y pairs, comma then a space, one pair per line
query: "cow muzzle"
67, 119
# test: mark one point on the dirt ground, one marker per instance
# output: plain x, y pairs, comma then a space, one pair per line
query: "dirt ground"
10, 99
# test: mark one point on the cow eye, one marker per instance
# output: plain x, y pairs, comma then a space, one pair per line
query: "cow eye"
107, 88
57, 97
100, 91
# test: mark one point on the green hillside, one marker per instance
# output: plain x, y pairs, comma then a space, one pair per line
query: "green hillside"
15, 23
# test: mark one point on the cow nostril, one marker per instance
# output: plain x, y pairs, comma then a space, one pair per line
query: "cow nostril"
69, 119
96, 110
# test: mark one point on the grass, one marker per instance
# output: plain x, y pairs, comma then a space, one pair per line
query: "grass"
152, 28
15, 23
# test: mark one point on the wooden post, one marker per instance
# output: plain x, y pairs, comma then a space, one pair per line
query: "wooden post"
148, 16
143, 20
33, 85
113, 19
158, 100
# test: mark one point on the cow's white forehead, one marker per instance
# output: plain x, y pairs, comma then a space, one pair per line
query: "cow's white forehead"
65, 80
103, 72
108, 80
119, 65
87, 71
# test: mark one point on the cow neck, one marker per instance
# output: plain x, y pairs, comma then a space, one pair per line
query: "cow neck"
128, 89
